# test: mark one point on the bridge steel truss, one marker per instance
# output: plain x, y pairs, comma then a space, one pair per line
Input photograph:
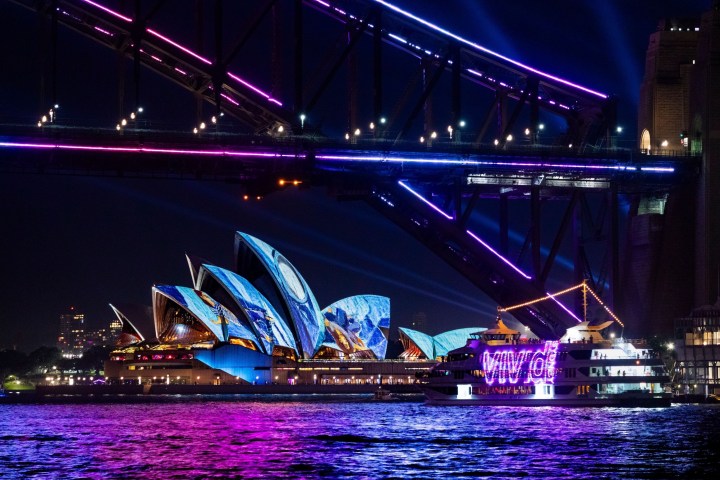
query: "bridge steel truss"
131, 36
590, 115
432, 199
434, 51
577, 208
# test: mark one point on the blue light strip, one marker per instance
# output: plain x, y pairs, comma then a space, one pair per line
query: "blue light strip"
485, 50
469, 162
345, 157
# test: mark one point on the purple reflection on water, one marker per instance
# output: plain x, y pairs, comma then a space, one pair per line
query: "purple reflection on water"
352, 438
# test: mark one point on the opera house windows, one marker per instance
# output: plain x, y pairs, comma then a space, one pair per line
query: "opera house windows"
181, 327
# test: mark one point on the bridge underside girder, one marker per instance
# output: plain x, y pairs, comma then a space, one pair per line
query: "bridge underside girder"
455, 183
484, 267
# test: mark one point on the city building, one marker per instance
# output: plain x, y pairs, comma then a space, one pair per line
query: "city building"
697, 352
115, 328
71, 339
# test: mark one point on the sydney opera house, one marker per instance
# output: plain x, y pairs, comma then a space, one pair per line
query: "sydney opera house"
260, 323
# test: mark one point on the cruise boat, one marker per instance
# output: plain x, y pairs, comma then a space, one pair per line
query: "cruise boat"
586, 367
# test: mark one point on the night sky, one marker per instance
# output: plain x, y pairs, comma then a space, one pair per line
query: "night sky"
86, 242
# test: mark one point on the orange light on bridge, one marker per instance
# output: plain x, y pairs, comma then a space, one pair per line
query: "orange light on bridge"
282, 182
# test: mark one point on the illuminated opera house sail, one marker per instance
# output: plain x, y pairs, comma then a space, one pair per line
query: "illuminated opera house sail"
129, 334
238, 321
277, 279
421, 345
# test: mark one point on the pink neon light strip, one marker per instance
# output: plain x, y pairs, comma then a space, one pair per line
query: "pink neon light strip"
229, 99
251, 87
481, 242
169, 151
107, 10
429, 203
478, 239
184, 49
565, 308
177, 45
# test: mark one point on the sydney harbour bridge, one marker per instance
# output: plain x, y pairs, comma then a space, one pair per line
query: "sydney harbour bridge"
377, 104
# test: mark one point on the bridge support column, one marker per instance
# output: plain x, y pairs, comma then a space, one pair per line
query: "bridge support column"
377, 72
536, 222
352, 84
504, 237
456, 104
614, 246
578, 263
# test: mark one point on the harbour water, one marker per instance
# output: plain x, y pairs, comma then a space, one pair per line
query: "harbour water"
352, 437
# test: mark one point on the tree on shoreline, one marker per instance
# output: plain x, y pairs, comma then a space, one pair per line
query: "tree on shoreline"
12, 362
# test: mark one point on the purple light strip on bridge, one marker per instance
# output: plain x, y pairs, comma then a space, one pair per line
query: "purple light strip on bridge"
497, 254
347, 158
428, 202
107, 10
184, 49
657, 169
437, 161
177, 45
565, 308
449, 217
490, 52
167, 151
484, 244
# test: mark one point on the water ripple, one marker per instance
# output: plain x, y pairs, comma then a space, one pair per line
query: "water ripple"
243, 438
